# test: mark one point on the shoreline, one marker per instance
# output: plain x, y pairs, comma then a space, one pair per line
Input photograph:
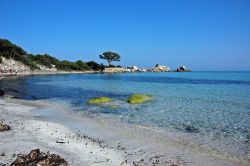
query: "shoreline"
3, 75
42, 124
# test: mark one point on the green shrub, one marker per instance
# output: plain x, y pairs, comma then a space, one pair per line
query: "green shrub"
93, 65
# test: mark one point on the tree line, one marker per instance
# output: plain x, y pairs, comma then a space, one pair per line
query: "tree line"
10, 50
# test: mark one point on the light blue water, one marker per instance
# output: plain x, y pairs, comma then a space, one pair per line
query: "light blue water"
210, 107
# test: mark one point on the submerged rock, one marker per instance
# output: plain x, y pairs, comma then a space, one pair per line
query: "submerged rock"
191, 129
35, 157
99, 100
139, 98
114, 107
1, 92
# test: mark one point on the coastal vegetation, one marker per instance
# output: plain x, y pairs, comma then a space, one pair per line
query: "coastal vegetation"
12, 51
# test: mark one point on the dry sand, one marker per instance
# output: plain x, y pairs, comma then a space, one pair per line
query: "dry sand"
83, 140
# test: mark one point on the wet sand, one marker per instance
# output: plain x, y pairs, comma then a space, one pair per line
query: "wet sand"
83, 140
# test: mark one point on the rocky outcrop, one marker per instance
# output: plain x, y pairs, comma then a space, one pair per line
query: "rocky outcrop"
160, 68
114, 70
139, 98
10, 65
44, 68
182, 69
99, 100
157, 68
35, 157
143, 70
133, 68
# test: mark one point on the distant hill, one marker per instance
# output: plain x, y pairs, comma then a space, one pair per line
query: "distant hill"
9, 53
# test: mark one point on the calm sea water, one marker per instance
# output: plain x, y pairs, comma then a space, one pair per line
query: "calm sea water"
209, 107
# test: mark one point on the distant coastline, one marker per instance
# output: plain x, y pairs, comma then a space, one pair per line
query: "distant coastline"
14, 60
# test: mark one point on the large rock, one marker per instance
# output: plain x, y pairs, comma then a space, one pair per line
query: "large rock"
139, 98
99, 100
127, 70
160, 68
181, 68
135, 67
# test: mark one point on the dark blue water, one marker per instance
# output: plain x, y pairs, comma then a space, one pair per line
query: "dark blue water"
212, 107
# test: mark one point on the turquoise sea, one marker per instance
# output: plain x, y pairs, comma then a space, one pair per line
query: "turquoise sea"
211, 108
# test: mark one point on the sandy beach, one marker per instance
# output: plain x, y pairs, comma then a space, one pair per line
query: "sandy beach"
82, 140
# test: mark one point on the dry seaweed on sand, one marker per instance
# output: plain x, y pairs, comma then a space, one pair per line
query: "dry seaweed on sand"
35, 157
4, 127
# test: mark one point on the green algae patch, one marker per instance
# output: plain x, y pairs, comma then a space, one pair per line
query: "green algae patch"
139, 98
99, 100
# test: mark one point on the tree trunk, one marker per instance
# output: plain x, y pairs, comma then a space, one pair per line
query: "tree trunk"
109, 62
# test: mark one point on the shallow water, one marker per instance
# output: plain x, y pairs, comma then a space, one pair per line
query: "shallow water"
211, 108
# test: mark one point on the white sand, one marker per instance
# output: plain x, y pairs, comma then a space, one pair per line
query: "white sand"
92, 141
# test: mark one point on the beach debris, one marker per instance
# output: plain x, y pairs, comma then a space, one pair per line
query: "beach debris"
99, 100
4, 127
35, 157
60, 142
139, 98
101, 161
119, 147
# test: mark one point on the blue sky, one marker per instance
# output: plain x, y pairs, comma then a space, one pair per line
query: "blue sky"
201, 34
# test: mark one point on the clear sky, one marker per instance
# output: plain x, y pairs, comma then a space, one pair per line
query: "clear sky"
201, 34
